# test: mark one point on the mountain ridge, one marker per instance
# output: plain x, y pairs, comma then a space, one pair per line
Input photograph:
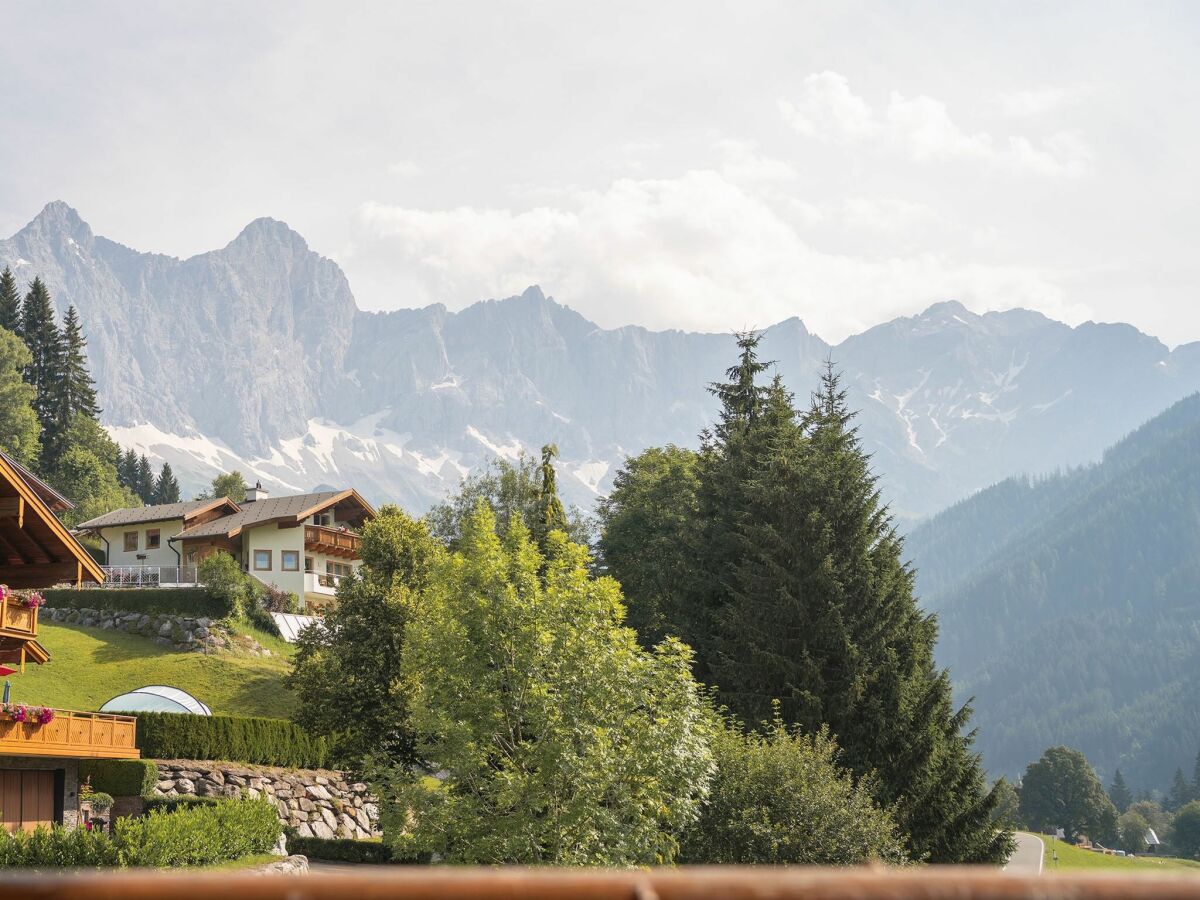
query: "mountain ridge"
256, 355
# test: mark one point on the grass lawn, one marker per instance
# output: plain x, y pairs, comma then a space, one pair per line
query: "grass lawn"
89, 666
246, 862
1072, 859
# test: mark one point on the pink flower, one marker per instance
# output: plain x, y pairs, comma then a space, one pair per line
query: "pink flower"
4, 591
44, 716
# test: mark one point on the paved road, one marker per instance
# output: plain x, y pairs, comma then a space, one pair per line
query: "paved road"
1027, 858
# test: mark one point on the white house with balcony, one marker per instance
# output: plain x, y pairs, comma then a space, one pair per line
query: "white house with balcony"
301, 543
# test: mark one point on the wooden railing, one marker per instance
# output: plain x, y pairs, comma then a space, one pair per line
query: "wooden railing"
15, 618
81, 735
332, 540
451, 883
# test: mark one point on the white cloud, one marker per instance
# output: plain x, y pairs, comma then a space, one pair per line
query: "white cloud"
921, 128
404, 168
741, 162
698, 251
1036, 102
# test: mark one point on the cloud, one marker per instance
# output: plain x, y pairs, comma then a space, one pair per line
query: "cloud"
404, 168
698, 251
1036, 102
921, 128
741, 162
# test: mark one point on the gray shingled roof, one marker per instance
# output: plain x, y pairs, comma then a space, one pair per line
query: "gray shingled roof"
160, 513
261, 511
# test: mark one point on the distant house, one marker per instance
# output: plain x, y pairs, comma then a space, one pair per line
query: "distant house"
1152, 842
300, 543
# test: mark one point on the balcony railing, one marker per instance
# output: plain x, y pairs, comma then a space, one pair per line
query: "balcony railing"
149, 576
333, 541
81, 735
321, 583
17, 619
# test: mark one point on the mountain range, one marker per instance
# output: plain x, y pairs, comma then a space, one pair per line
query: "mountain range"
1070, 606
256, 356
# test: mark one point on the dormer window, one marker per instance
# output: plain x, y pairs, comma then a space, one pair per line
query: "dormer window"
324, 519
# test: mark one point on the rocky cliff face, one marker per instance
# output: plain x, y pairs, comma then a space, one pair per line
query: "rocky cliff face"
256, 356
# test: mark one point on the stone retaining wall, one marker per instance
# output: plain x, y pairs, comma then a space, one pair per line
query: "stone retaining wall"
198, 635
316, 802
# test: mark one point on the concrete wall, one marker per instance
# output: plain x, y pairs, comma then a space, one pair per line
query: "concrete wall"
163, 556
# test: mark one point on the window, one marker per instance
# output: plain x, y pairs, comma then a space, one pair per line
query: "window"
339, 569
131, 541
322, 519
289, 560
262, 560
152, 539
308, 564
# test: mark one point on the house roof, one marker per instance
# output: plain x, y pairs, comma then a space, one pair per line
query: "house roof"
159, 513
293, 509
36, 549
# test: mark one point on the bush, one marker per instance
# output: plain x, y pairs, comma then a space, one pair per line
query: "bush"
261, 618
120, 777
339, 850
171, 804
224, 579
101, 802
266, 742
225, 830
780, 798
195, 602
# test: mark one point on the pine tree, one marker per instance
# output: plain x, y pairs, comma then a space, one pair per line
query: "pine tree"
166, 489
10, 302
144, 486
77, 390
820, 615
46, 369
550, 513
1119, 793
1181, 793
127, 469
1196, 778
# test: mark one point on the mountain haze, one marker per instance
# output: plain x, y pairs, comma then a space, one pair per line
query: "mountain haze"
256, 356
1070, 606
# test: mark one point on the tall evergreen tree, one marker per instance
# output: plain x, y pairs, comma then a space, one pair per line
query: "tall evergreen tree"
1181, 793
127, 469
77, 390
145, 480
10, 302
166, 489
1119, 793
550, 513
1196, 778
46, 369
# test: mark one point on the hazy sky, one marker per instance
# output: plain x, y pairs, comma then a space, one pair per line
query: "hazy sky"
673, 164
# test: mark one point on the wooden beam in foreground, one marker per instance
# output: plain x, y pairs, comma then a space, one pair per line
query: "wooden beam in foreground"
437, 883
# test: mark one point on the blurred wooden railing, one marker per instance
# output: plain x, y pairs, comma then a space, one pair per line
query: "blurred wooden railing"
412, 883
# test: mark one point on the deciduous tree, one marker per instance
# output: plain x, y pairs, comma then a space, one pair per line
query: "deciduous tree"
1061, 790
20, 429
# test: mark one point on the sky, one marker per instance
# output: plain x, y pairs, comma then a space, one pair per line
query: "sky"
694, 165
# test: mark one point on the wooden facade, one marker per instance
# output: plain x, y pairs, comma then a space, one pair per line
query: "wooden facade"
72, 735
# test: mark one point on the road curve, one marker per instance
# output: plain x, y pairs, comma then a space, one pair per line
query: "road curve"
1027, 858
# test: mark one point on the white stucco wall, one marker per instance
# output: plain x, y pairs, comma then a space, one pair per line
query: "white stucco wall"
275, 539
163, 556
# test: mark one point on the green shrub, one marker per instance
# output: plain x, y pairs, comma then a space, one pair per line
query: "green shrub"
120, 777
339, 849
170, 804
224, 579
261, 618
202, 835
266, 742
101, 802
195, 602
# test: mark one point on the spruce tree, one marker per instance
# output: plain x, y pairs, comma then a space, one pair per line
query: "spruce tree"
46, 369
821, 617
1181, 793
1196, 778
10, 302
127, 469
166, 489
77, 389
1119, 793
550, 513
144, 486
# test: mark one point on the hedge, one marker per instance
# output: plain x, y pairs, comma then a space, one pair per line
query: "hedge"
120, 777
198, 836
195, 602
339, 849
265, 742
159, 803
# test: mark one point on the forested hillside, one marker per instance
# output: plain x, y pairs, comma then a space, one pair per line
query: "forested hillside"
1070, 605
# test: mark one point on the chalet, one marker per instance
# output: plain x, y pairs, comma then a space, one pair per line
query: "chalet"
301, 543
40, 748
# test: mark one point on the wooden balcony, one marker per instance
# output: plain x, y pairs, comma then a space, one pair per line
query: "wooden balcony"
77, 735
332, 541
16, 620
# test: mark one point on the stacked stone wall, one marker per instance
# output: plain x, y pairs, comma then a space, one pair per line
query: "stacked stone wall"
198, 635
